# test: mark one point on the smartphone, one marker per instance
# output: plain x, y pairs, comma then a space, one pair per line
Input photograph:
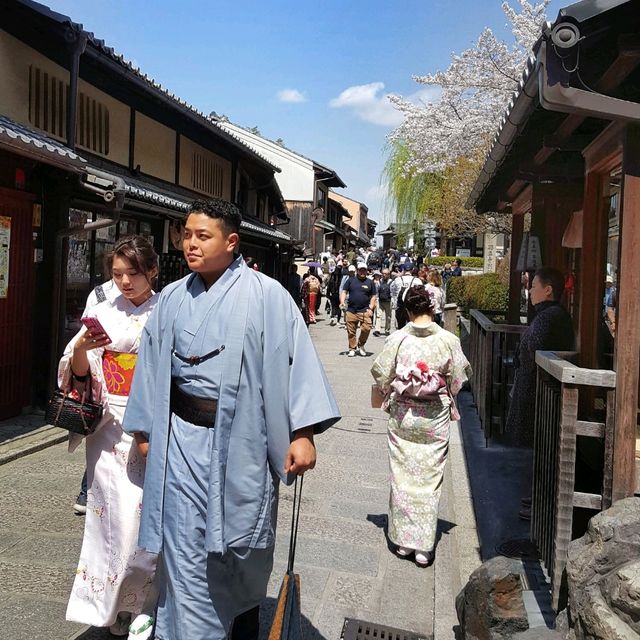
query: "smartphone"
94, 326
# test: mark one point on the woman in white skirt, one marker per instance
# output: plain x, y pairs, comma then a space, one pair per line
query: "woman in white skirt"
114, 578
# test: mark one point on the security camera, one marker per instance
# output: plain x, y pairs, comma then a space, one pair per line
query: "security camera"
565, 35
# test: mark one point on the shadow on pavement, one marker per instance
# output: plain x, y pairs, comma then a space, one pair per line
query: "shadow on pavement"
267, 608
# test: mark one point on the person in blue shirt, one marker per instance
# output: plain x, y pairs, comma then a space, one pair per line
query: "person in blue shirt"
360, 306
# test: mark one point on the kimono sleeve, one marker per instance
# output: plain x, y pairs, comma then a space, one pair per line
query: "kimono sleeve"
383, 369
460, 369
295, 386
138, 416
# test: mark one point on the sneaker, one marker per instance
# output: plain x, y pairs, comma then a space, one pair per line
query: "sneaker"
362, 352
333, 322
351, 353
80, 507
424, 558
386, 333
141, 628
376, 334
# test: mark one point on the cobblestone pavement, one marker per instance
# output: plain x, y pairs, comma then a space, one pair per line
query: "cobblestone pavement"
345, 565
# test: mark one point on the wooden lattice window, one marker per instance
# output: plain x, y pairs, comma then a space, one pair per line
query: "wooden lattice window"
47, 102
48, 112
207, 175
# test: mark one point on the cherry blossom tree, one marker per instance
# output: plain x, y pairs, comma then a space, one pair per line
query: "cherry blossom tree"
443, 142
475, 90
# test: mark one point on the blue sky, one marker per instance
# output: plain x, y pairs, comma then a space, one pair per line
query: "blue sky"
283, 65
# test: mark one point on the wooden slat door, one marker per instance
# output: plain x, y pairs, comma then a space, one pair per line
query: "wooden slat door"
16, 308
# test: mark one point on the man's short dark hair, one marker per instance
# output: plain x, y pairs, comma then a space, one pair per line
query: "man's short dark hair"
227, 213
549, 276
458, 261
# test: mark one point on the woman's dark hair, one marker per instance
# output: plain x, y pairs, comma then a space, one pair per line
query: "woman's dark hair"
549, 276
219, 209
418, 302
138, 251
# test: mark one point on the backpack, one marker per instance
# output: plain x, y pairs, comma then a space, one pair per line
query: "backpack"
403, 292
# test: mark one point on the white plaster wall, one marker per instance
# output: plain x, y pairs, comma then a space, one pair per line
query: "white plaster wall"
296, 180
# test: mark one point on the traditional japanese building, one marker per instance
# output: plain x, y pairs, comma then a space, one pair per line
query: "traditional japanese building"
92, 149
565, 165
305, 187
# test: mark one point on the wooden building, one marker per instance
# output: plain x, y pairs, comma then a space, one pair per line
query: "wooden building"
305, 183
92, 149
567, 159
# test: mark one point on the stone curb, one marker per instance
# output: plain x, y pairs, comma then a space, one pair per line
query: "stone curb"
23, 445
458, 552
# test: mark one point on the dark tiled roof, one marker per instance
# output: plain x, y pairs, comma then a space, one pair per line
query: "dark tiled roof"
137, 190
20, 136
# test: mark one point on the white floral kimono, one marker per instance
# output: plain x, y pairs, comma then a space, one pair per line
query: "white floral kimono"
418, 433
113, 575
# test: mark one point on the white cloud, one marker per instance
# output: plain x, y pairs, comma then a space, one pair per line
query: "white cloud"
367, 103
291, 95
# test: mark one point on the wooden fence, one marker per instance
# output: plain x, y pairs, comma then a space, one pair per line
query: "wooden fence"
557, 427
493, 348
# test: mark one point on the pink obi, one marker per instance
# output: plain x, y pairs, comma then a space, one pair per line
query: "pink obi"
118, 371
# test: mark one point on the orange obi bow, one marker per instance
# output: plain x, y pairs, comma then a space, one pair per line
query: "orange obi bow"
118, 371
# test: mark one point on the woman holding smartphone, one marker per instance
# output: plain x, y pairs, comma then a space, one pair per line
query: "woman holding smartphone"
114, 578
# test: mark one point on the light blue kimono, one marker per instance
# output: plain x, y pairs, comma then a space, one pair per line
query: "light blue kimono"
269, 382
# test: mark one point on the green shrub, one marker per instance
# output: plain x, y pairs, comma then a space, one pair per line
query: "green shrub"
484, 291
472, 263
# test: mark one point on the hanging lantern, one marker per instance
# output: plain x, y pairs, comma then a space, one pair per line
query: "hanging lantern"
572, 238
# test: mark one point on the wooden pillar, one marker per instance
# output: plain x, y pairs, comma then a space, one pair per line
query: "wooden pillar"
592, 268
515, 277
627, 357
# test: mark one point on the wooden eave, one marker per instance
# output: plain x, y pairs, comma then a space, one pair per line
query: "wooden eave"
611, 68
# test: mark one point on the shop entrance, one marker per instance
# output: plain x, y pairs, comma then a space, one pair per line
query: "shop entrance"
16, 301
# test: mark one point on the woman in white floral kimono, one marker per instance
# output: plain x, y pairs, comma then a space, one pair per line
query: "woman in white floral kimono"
114, 578
420, 370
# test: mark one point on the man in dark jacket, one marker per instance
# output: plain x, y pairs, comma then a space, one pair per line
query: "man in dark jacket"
550, 330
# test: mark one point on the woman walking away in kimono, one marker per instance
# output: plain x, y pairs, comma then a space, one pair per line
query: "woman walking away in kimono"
114, 578
420, 370
310, 292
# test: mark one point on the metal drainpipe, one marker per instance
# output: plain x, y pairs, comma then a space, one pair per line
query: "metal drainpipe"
77, 41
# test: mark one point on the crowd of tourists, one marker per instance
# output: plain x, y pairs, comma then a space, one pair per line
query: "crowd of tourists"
365, 290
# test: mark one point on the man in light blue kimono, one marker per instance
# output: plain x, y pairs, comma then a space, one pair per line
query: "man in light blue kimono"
227, 395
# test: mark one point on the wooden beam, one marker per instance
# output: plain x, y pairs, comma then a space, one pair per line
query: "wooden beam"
515, 284
627, 356
587, 501
592, 267
572, 143
590, 429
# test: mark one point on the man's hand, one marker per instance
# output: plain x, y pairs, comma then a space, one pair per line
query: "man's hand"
142, 443
301, 455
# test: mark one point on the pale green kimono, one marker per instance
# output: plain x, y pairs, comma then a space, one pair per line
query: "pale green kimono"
418, 432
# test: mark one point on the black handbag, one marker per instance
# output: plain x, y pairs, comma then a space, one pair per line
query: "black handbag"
80, 417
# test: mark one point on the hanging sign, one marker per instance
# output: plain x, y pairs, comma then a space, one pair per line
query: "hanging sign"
530, 256
490, 246
5, 246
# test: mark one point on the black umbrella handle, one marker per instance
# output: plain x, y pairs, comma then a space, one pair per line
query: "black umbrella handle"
295, 518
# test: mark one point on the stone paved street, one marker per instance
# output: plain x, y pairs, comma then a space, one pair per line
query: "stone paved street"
346, 567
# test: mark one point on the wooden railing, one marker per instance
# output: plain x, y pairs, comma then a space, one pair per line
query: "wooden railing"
493, 347
554, 457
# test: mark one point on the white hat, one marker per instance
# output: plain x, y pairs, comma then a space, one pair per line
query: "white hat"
352, 267
361, 265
